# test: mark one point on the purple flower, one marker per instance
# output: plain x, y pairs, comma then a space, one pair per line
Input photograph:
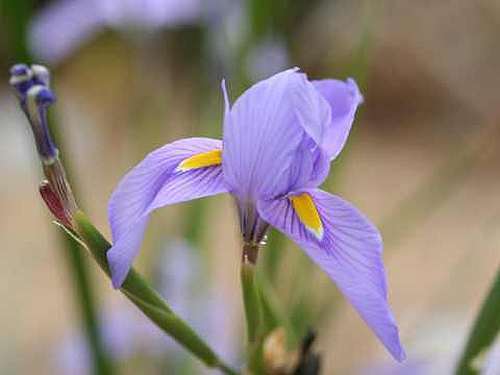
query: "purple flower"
279, 139
60, 28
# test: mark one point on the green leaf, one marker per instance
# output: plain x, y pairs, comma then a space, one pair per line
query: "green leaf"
484, 330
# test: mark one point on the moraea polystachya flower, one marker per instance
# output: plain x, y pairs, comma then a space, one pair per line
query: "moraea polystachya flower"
279, 139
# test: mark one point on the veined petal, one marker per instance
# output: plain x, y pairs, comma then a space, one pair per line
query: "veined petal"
312, 110
266, 132
344, 98
174, 173
349, 251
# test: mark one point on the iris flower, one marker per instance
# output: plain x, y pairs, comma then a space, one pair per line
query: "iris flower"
278, 141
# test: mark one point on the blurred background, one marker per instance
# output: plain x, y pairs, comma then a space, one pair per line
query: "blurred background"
422, 162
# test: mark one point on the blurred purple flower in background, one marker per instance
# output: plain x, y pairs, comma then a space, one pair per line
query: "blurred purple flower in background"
63, 26
182, 281
279, 139
267, 58
127, 334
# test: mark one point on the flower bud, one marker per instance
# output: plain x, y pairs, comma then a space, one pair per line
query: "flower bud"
277, 359
32, 89
32, 85
54, 204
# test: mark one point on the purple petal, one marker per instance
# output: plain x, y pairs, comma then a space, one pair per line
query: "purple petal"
350, 252
154, 183
312, 110
265, 132
344, 98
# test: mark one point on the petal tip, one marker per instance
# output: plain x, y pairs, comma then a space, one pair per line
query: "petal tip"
355, 91
225, 94
400, 355
394, 345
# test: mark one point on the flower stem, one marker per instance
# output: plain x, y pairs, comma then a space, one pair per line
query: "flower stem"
252, 307
251, 300
484, 331
139, 292
17, 15
86, 298
56, 173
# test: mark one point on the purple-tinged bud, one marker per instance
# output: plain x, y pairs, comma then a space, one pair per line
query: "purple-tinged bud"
32, 86
38, 99
21, 78
54, 204
19, 70
33, 90
41, 75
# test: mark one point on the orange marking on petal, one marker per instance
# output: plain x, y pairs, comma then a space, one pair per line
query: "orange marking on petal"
202, 160
308, 214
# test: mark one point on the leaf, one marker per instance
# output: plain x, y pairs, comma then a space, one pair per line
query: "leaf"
484, 330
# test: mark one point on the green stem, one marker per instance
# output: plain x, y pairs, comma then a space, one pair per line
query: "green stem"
16, 16
85, 299
139, 292
484, 331
251, 300
82, 285
253, 308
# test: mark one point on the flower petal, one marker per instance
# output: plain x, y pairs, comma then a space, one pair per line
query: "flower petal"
347, 247
264, 131
344, 98
158, 180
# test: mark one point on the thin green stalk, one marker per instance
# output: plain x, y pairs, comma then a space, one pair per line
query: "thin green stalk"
16, 16
85, 299
252, 307
85, 293
139, 292
484, 331
250, 301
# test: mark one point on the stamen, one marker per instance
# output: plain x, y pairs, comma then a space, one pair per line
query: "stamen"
308, 214
202, 160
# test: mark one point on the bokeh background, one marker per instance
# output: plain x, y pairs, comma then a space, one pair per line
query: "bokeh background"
422, 161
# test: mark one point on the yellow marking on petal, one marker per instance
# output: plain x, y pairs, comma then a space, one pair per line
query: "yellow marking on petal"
202, 160
308, 214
